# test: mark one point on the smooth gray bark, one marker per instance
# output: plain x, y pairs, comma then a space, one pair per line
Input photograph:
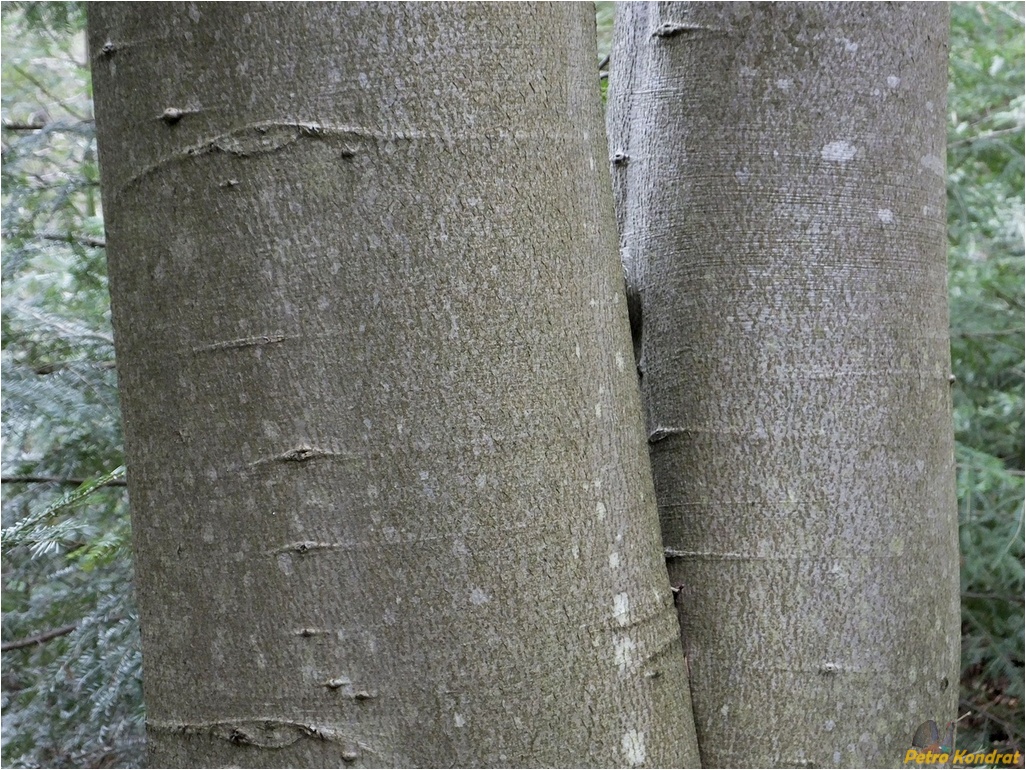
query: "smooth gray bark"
780, 177
390, 498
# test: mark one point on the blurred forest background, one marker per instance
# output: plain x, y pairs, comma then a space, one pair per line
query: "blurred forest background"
71, 665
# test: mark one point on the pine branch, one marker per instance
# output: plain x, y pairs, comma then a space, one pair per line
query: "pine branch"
84, 240
40, 638
12, 126
58, 480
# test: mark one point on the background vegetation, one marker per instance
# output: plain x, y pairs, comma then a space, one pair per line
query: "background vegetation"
71, 692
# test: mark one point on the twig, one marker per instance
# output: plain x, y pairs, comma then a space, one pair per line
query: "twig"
998, 597
57, 480
53, 97
11, 126
1009, 730
45, 636
56, 366
85, 240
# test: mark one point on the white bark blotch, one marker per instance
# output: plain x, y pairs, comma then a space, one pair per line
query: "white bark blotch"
622, 609
886, 216
634, 748
600, 510
479, 597
623, 653
933, 163
840, 151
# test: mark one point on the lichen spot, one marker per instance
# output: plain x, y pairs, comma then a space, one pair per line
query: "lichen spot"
600, 510
614, 560
458, 720
840, 151
886, 216
622, 609
897, 546
933, 163
784, 84
725, 710
633, 744
623, 652
893, 81
285, 563
620, 363
478, 597
577, 350
598, 411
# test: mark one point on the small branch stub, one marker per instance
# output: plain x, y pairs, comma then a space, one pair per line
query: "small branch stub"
676, 589
171, 115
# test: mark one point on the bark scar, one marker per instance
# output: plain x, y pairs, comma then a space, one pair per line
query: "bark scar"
240, 342
674, 28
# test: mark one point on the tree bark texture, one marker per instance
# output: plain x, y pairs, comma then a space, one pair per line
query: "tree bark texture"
391, 504
780, 181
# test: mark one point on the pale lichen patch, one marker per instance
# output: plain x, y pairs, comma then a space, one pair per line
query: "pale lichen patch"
285, 563
633, 745
622, 609
623, 652
933, 163
840, 151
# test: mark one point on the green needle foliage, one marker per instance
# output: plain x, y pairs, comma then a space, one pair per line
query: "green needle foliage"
71, 691
985, 230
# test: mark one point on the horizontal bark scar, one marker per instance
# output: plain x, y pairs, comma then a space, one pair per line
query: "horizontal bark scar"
262, 733
271, 136
674, 28
662, 433
241, 342
300, 454
304, 547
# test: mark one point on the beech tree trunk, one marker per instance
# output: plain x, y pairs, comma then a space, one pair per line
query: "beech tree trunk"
390, 499
780, 177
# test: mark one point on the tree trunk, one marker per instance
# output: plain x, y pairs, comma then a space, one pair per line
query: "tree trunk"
390, 498
782, 190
